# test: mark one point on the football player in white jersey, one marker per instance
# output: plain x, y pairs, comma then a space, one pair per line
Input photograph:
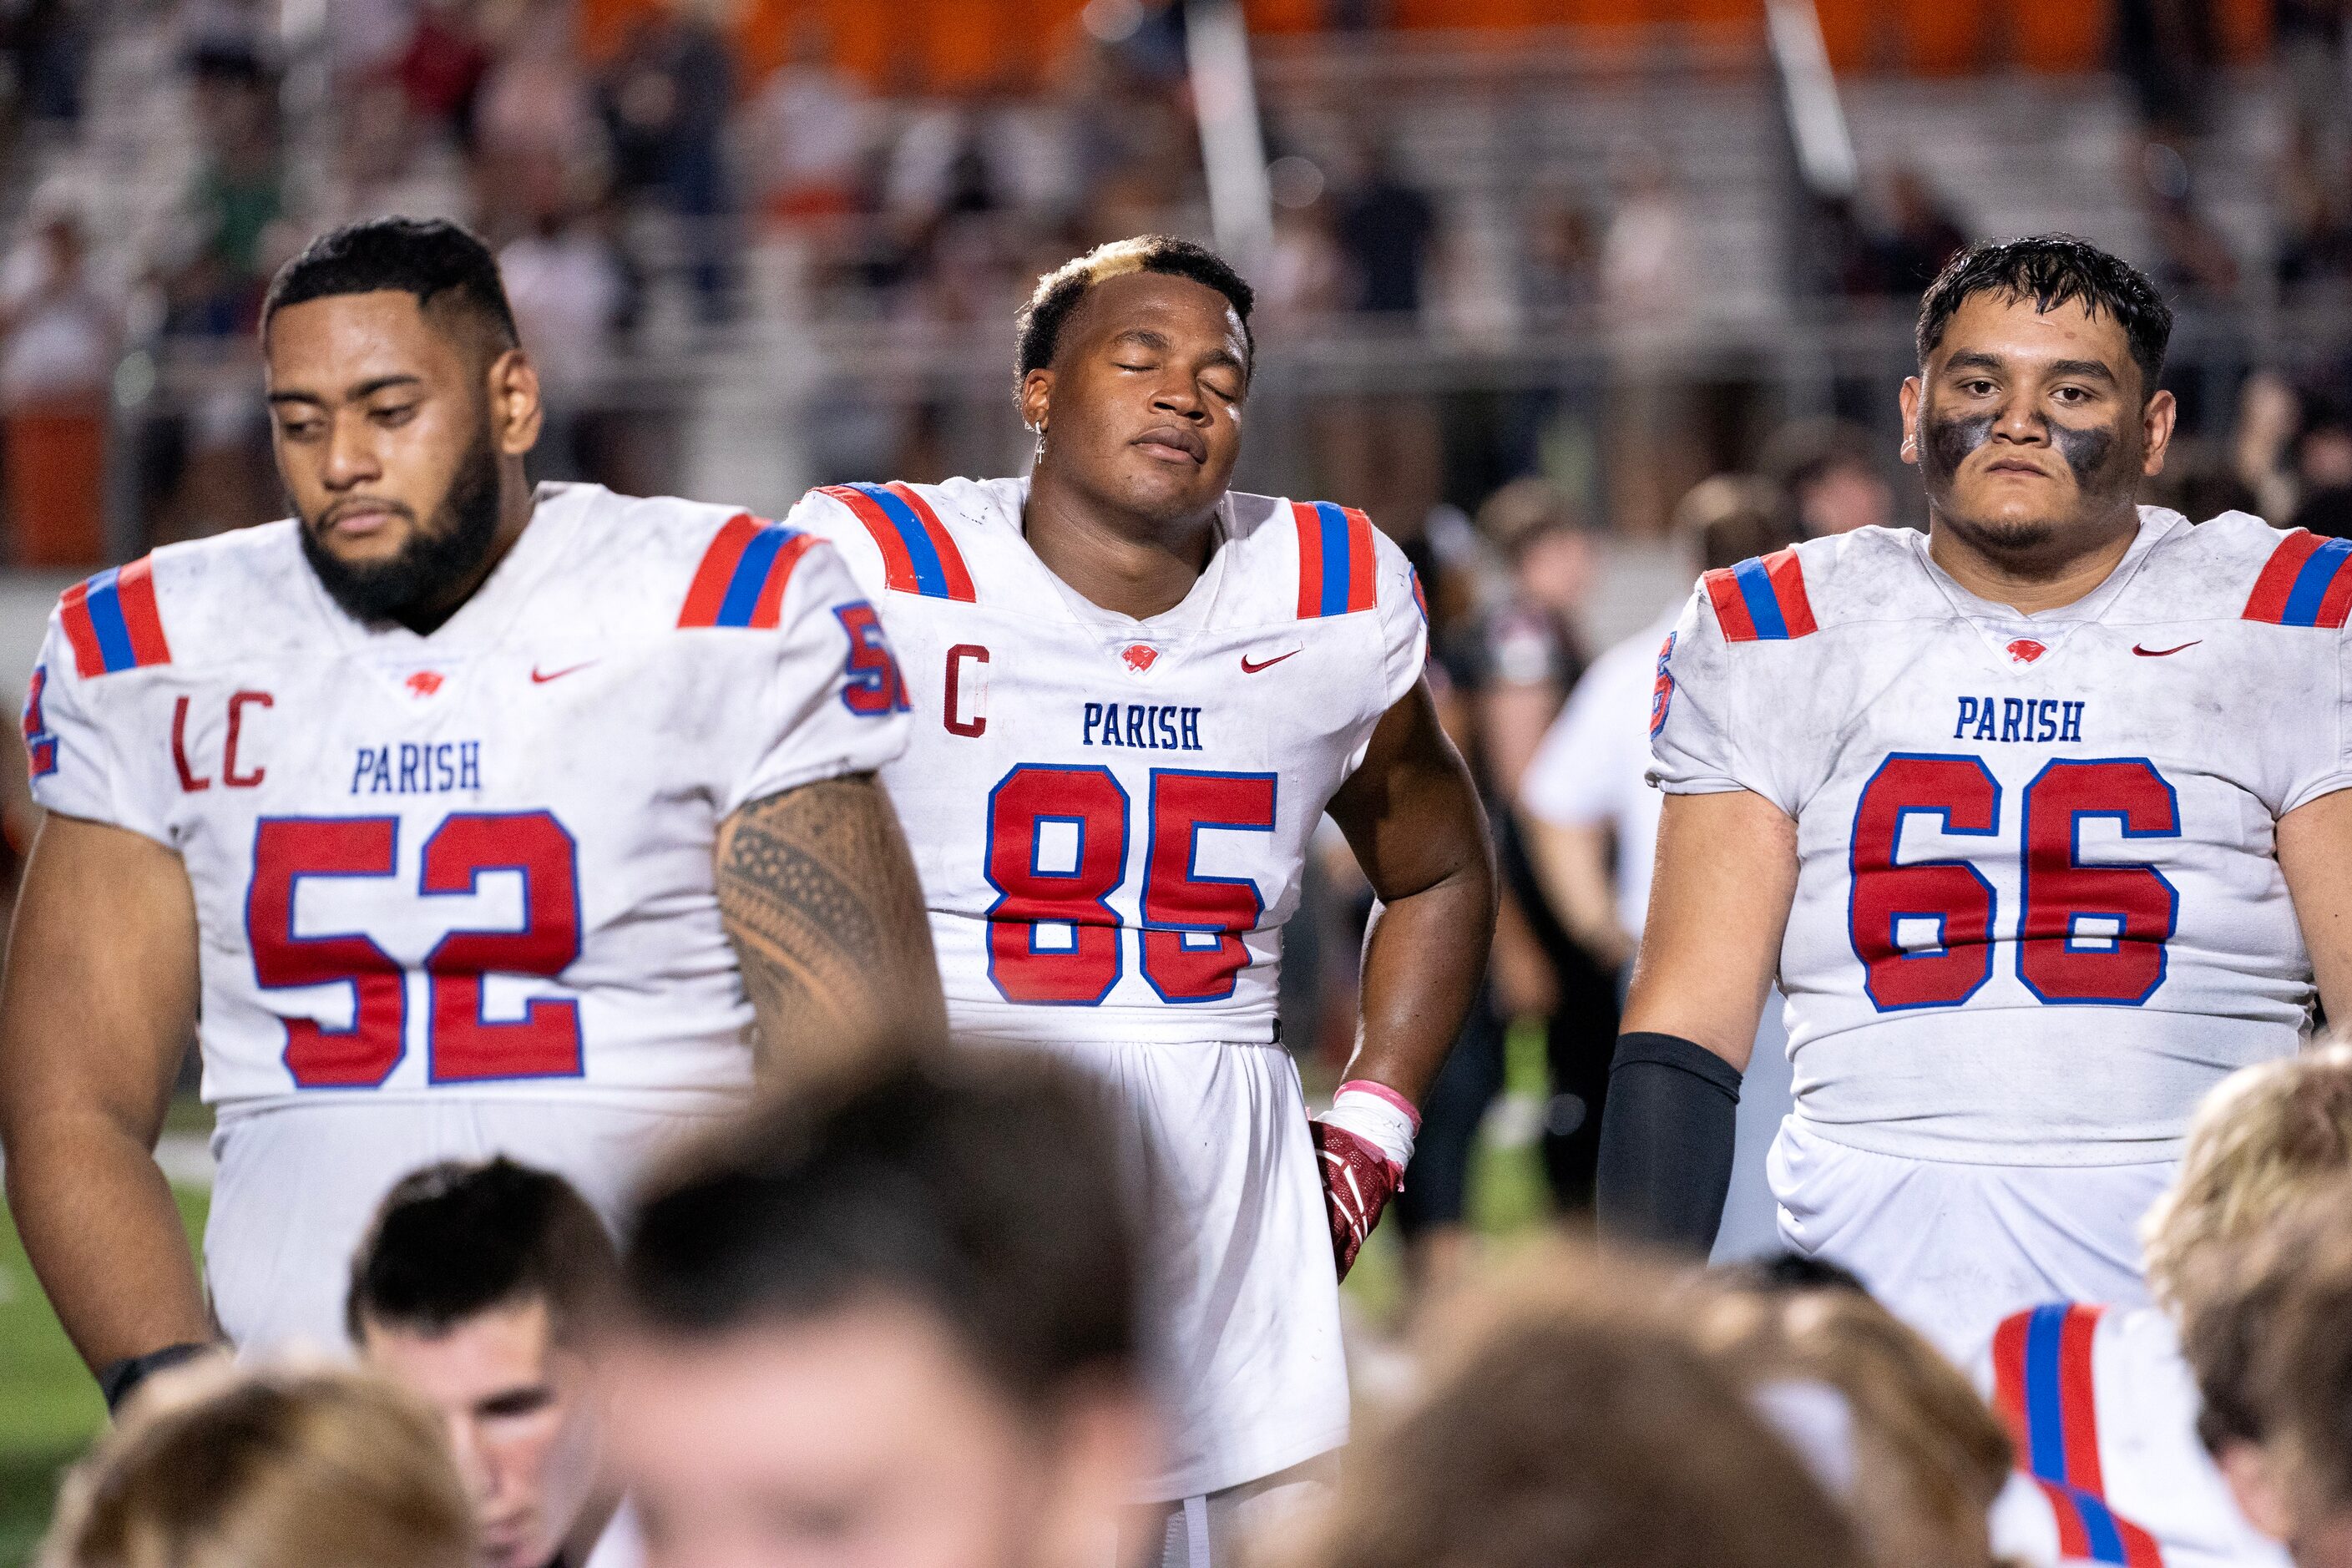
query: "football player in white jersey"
2041, 817
1136, 693
451, 818
2101, 1405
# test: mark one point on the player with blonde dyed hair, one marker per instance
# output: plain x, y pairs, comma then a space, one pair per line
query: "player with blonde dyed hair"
2266, 1331
2100, 1400
285, 1468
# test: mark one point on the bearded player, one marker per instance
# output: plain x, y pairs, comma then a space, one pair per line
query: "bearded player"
1135, 692
450, 817
2041, 817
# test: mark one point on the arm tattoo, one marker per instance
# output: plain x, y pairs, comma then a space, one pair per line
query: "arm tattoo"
820, 900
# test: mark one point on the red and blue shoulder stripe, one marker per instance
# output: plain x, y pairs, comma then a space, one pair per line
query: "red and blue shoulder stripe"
741, 579
1336, 571
113, 623
918, 555
1762, 599
2044, 1390
2303, 584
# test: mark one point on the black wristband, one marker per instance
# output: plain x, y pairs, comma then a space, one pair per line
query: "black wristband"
1666, 1140
116, 1379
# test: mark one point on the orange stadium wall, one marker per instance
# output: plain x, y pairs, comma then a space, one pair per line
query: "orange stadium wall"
974, 44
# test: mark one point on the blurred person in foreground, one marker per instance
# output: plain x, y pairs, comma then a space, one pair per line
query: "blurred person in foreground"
2102, 1401
1927, 1460
895, 1328
1137, 693
1563, 1420
449, 817
2032, 816
2270, 1335
285, 1467
480, 1288
1592, 822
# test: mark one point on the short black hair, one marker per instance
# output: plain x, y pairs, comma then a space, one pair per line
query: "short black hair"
1787, 1272
979, 1190
432, 258
455, 1239
2053, 269
1057, 293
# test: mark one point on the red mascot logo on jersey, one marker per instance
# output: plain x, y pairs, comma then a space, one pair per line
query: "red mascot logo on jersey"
1661, 694
1139, 657
2025, 650
424, 683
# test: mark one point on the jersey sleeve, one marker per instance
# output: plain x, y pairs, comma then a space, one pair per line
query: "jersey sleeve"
2327, 766
1403, 613
1693, 738
72, 749
823, 683
830, 520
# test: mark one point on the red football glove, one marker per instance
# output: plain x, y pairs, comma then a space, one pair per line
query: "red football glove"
1358, 1182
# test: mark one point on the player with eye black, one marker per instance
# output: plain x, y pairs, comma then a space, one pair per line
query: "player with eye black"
1135, 692
2040, 818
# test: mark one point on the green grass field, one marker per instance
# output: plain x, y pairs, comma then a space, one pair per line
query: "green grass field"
50, 1408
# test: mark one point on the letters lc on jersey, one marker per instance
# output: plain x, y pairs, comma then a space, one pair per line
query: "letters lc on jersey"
234, 772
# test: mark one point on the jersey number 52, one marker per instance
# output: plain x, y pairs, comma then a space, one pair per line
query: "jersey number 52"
2092, 932
463, 1044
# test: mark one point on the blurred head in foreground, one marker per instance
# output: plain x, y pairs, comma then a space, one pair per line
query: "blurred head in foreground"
215, 1467
2263, 1191
1928, 1458
1573, 1422
2269, 1337
897, 1329
476, 1287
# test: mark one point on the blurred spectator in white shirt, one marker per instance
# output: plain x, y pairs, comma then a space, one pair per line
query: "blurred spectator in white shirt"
58, 338
808, 132
565, 285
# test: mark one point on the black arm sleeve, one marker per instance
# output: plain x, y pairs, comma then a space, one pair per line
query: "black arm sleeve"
1667, 1135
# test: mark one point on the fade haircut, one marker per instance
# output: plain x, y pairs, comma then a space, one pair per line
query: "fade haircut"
980, 1190
454, 1239
2053, 269
441, 263
1041, 320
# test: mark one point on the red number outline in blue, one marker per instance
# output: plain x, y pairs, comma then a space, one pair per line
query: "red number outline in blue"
1903, 814
290, 941
988, 872
2122, 816
1192, 860
566, 1007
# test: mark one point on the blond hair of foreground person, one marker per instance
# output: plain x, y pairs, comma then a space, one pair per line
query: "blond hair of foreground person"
217, 1466
1565, 1418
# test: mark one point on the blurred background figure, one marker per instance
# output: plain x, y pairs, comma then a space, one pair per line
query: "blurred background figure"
1592, 820
480, 1289
59, 334
267, 1467
899, 1330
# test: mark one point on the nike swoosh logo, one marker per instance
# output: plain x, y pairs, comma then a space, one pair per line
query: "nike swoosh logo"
2160, 652
541, 677
1249, 669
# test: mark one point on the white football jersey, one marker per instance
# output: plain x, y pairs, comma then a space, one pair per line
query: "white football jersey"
2039, 911
2102, 1412
476, 863
1111, 815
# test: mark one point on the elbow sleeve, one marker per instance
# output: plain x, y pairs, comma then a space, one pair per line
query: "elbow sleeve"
1667, 1138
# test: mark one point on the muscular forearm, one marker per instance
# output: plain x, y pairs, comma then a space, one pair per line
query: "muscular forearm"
99, 1224
1423, 958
